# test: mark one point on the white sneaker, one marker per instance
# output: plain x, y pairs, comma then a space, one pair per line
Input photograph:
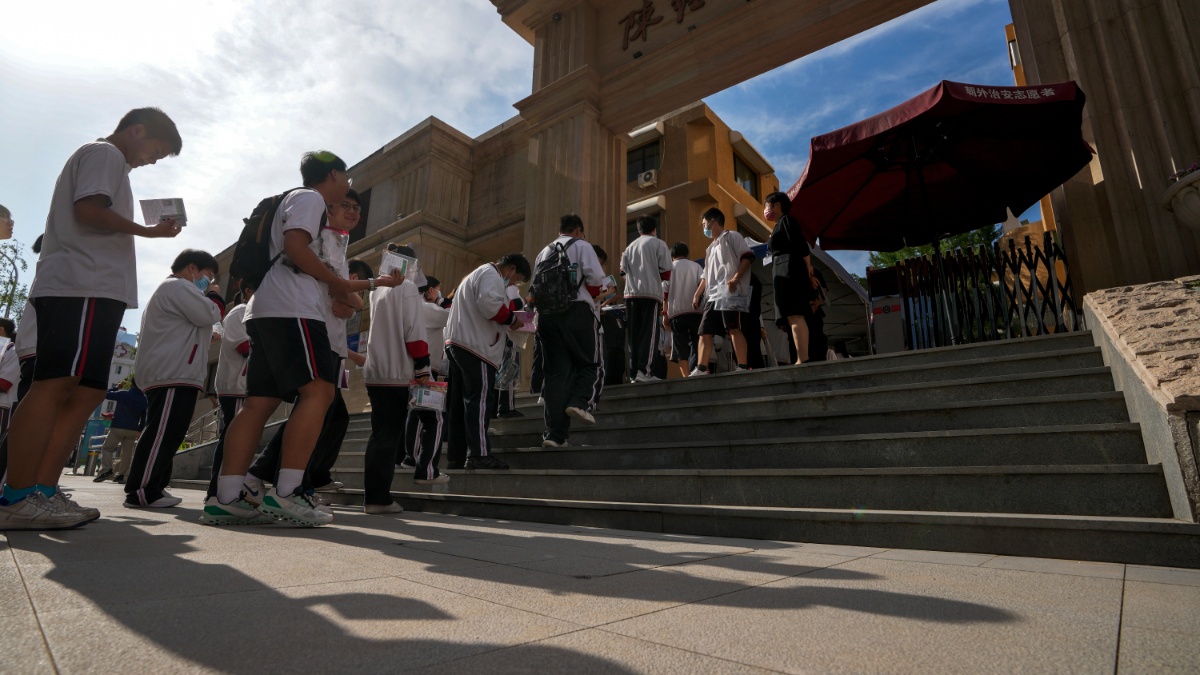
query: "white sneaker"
164, 502
541, 401
332, 486
71, 506
253, 491
646, 377
380, 509
409, 463
299, 509
554, 444
37, 512
581, 415
697, 373
240, 512
440, 479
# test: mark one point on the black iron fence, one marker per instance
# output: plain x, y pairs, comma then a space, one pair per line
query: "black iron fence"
988, 293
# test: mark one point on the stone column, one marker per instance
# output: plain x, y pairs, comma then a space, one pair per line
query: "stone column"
1136, 61
576, 164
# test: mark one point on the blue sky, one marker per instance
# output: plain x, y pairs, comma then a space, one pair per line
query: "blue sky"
254, 85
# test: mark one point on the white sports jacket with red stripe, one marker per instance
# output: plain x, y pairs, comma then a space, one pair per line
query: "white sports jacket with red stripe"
177, 329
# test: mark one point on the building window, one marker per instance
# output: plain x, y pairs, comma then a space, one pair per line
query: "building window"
743, 175
641, 159
361, 231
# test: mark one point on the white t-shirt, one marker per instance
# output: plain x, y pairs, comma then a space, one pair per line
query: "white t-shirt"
10, 371
231, 365
79, 260
721, 261
287, 292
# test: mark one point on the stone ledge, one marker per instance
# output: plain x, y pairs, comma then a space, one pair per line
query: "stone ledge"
1158, 325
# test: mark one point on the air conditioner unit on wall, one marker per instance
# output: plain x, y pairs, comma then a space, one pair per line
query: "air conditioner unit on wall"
648, 178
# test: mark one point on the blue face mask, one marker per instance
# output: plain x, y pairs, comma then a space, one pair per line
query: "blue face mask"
708, 232
201, 282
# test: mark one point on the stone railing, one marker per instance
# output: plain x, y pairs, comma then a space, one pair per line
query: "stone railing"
1150, 336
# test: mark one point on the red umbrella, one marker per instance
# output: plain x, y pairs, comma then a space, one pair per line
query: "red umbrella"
951, 160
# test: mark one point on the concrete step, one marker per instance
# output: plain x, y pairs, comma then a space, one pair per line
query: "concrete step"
1070, 382
1104, 490
1075, 444
742, 420
803, 379
1140, 541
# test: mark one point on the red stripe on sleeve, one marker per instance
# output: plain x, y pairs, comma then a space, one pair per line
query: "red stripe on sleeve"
243, 348
503, 315
593, 290
666, 276
417, 349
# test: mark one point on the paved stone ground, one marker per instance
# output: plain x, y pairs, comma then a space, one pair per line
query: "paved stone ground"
153, 591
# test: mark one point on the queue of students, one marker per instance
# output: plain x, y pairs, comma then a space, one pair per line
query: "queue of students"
286, 340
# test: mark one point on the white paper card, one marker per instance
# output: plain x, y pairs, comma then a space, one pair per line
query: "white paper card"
155, 211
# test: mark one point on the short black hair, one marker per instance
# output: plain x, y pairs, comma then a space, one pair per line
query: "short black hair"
352, 194
600, 253
430, 282
37, 244
316, 166
201, 259
714, 214
402, 250
158, 126
679, 250
10, 328
520, 262
360, 267
780, 198
569, 223
646, 225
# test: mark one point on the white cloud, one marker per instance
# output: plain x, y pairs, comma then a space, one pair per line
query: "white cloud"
251, 87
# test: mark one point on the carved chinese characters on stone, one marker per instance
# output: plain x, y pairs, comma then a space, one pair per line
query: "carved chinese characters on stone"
638, 22
682, 6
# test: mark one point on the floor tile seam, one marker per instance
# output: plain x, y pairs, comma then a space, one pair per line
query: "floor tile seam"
745, 587
935, 562
34, 610
499, 649
219, 594
690, 651
1116, 661
1161, 583
496, 603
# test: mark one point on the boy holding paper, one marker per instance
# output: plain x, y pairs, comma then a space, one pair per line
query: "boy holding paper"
397, 356
86, 278
724, 290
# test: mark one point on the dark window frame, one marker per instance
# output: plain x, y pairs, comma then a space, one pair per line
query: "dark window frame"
754, 178
638, 160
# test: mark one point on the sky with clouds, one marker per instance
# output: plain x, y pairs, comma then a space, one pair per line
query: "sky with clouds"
252, 85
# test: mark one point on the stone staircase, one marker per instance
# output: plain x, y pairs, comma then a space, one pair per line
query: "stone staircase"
1019, 447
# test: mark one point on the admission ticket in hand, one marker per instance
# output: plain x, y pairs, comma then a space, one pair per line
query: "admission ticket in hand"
155, 211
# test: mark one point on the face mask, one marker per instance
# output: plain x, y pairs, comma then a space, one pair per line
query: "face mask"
201, 282
708, 232
439, 296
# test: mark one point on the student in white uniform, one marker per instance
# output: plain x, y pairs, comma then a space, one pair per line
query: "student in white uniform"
571, 340
171, 367
480, 315
645, 264
230, 382
290, 354
679, 316
724, 290
85, 280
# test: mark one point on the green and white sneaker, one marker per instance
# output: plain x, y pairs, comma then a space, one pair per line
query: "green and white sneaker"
299, 509
253, 491
240, 512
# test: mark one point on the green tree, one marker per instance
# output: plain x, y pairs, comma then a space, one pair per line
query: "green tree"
984, 235
12, 292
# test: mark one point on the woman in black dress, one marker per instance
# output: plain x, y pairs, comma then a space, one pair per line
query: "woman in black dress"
792, 270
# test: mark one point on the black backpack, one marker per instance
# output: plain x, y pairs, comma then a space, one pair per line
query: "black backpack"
552, 289
252, 255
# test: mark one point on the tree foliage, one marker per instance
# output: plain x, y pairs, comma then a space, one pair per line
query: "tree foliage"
984, 235
13, 291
